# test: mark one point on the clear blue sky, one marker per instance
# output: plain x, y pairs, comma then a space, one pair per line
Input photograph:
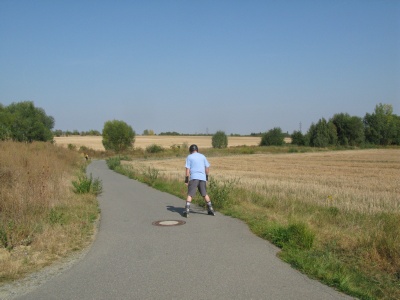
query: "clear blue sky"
197, 66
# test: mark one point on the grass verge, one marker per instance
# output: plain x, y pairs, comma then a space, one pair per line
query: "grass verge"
48, 206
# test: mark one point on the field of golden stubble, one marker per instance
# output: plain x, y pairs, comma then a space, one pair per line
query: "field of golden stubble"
367, 181
95, 142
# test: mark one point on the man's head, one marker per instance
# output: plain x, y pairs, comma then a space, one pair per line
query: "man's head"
193, 148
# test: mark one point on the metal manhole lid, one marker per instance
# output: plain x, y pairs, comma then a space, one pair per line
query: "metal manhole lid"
168, 223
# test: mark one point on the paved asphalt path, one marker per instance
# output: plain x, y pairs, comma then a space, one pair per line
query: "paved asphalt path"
209, 257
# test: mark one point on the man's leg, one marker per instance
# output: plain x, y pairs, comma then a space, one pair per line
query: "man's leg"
203, 192
210, 209
188, 201
192, 186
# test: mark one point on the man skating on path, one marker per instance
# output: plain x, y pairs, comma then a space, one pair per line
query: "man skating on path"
197, 169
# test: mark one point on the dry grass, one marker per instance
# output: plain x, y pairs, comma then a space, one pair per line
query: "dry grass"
366, 181
94, 142
41, 218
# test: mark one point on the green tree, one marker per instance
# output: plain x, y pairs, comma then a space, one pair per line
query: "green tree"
118, 136
396, 140
91, 132
380, 126
322, 134
58, 132
298, 138
5, 124
5, 133
23, 122
148, 132
274, 137
219, 140
170, 133
350, 130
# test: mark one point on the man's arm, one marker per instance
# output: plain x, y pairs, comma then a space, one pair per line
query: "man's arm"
187, 173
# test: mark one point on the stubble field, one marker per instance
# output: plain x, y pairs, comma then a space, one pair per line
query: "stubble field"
366, 181
95, 142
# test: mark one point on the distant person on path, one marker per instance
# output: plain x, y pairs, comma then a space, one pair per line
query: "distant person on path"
197, 169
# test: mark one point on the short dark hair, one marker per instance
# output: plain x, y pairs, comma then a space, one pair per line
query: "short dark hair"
193, 148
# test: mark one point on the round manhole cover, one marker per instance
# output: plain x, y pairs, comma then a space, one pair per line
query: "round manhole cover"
168, 223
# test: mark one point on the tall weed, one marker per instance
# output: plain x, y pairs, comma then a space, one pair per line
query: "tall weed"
113, 162
150, 175
86, 185
220, 192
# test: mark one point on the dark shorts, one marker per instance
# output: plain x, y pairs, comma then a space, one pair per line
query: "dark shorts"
195, 185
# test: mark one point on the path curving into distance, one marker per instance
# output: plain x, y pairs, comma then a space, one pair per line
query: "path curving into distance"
145, 249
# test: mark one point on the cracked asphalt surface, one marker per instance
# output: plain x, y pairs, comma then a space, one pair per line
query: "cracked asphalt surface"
208, 257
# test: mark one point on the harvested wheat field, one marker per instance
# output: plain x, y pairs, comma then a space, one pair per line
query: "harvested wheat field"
95, 142
367, 181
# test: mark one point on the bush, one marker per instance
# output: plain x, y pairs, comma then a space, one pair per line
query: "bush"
118, 136
154, 148
84, 149
71, 147
273, 137
219, 140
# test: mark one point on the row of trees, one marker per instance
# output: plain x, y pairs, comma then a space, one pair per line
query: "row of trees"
91, 132
24, 122
382, 127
